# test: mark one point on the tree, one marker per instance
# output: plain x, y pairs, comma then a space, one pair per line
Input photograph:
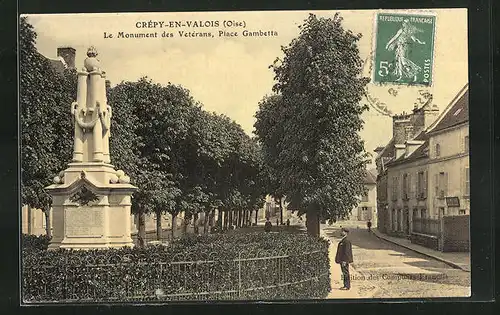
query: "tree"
45, 98
320, 159
150, 144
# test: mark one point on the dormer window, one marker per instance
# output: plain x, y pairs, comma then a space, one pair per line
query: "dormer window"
438, 149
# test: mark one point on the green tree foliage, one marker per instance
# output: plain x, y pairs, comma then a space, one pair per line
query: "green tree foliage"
318, 155
46, 133
152, 124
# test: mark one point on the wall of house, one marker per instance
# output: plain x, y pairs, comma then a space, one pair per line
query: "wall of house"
37, 221
367, 208
383, 224
453, 162
405, 203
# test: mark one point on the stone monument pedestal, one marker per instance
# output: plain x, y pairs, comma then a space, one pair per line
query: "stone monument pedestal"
89, 211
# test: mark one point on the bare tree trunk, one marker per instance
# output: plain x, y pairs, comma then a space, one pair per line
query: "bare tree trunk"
28, 207
240, 218
185, 223
230, 218
312, 221
158, 226
226, 218
174, 225
141, 234
219, 218
48, 229
256, 215
281, 210
195, 223
206, 221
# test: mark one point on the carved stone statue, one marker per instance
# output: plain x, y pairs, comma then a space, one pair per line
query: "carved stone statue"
91, 106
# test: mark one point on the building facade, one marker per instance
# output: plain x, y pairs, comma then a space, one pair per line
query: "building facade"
424, 170
366, 210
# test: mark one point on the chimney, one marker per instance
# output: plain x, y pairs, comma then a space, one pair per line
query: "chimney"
399, 127
431, 113
68, 54
412, 145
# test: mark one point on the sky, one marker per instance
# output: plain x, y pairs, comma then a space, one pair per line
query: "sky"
230, 75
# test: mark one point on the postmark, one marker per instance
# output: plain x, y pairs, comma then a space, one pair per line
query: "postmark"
404, 49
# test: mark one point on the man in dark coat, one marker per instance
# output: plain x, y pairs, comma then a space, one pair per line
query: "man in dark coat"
268, 225
344, 258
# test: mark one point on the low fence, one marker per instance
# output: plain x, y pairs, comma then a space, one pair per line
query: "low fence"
456, 233
426, 226
248, 277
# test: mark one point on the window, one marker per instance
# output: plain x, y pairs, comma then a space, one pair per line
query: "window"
441, 185
423, 213
467, 182
415, 213
364, 197
394, 220
421, 185
400, 225
394, 188
438, 149
466, 144
442, 212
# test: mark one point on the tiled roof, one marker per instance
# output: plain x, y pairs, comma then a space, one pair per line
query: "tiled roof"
370, 178
419, 153
58, 63
458, 114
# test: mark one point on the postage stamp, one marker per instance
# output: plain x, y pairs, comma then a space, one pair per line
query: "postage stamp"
404, 49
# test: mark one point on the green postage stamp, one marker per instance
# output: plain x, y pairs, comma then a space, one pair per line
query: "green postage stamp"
404, 49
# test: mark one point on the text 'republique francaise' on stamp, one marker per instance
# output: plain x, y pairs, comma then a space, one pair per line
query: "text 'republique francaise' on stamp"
404, 49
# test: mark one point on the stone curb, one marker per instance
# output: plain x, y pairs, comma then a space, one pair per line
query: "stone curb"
449, 263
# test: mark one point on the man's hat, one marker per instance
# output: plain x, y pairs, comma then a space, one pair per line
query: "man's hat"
345, 230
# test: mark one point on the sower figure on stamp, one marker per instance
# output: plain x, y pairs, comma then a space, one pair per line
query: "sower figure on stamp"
344, 258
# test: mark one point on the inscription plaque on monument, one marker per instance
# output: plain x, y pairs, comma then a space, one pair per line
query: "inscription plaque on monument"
84, 222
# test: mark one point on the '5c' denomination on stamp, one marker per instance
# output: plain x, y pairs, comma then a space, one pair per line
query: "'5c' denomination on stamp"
404, 49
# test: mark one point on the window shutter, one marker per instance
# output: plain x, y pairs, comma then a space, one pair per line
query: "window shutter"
410, 186
462, 181
445, 186
436, 183
425, 184
462, 143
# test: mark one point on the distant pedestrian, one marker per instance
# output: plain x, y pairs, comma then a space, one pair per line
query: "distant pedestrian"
287, 222
344, 258
369, 225
268, 225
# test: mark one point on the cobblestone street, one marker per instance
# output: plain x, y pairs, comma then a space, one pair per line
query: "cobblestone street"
385, 270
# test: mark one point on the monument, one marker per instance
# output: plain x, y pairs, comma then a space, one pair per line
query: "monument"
90, 199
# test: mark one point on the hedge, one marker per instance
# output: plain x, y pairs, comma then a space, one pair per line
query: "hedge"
34, 242
209, 267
